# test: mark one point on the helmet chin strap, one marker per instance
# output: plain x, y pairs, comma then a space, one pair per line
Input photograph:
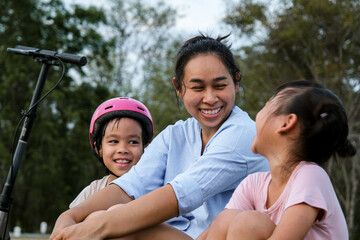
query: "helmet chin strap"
102, 161
112, 173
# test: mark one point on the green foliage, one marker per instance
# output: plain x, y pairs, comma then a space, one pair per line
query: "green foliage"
246, 15
145, 57
158, 92
140, 31
57, 162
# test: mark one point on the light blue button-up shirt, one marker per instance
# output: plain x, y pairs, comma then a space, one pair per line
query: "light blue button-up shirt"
203, 184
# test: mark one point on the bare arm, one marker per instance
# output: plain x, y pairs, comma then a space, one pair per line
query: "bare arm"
101, 200
296, 222
148, 210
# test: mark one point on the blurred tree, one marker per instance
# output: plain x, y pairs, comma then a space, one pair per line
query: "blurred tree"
138, 28
145, 54
57, 161
158, 91
118, 42
317, 40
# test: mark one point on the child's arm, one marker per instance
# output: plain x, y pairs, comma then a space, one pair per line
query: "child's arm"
296, 222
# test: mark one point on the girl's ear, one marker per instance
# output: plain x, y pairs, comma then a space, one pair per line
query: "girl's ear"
288, 124
178, 92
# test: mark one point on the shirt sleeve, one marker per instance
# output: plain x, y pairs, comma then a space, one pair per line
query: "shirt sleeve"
89, 190
222, 166
137, 182
83, 195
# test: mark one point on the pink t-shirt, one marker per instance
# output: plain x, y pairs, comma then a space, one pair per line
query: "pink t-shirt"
309, 184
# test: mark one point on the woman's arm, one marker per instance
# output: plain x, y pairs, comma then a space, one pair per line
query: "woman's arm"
101, 200
148, 210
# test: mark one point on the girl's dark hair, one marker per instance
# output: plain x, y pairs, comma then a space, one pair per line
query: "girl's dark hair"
202, 44
322, 117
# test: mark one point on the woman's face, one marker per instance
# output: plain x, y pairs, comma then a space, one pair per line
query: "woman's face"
208, 92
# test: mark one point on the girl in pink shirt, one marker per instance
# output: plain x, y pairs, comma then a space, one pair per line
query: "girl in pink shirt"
298, 129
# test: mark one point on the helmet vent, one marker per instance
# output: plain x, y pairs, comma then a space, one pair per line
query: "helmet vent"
141, 109
108, 107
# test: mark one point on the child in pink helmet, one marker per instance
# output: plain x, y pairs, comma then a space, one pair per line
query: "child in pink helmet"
120, 129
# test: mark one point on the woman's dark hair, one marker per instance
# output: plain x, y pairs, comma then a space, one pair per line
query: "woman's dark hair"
202, 44
322, 117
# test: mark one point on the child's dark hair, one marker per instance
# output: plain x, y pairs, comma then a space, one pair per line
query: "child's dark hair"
202, 44
99, 137
322, 117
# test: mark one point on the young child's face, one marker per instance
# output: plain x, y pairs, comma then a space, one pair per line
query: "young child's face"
122, 145
265, 127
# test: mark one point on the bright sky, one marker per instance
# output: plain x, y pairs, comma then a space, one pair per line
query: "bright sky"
195, 15
203, 15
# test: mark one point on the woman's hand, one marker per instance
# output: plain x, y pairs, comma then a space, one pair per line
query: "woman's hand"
63, 221
79, 231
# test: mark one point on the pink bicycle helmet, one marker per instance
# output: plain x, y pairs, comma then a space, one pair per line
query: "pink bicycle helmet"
121, 107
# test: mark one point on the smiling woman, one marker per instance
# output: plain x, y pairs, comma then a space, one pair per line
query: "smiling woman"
190, 170
208, 93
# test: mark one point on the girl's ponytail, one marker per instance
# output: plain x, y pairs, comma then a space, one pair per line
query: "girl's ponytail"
346, 149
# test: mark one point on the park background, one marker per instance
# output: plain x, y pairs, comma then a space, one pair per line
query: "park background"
131, 47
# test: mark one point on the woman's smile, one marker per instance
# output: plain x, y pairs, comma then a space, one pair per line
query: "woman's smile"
209, 92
